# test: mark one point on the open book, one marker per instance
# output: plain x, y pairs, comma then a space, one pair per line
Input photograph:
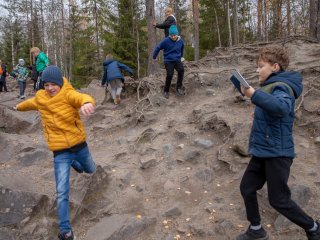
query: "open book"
237, 79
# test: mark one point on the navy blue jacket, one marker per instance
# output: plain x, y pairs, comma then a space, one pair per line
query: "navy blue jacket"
271, 133
112, 70
172, 50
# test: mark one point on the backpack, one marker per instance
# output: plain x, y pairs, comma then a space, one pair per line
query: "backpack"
1, 70
268, 88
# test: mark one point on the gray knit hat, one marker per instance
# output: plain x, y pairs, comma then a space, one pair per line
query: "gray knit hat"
52, 74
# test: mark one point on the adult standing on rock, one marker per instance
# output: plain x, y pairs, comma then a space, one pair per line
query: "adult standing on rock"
170, 20
172, 47
42, 62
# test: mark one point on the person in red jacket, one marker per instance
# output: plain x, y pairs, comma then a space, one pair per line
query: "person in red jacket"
3, 84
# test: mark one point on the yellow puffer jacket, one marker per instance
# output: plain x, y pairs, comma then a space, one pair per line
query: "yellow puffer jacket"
60, 116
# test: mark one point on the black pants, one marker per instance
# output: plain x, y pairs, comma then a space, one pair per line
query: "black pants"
274, 171
3, 85
39, 83
170, 66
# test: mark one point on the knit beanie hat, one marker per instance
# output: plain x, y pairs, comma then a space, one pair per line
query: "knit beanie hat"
21, 62
173, 30
52, 74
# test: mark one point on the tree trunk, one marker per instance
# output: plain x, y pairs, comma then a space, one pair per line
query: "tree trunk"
265, 21
218, 28
288, 17
195, 10
96, 29
314, 21
235, 22
63, 52
259, 24
229, 24
173, 5
153, 67
42, 26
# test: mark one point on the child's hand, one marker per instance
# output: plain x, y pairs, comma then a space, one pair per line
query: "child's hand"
247, 91
87, 109
15, 108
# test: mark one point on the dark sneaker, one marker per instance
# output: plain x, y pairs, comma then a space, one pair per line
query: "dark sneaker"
250, 234
66, 236
179, 92
166, 95
314, 235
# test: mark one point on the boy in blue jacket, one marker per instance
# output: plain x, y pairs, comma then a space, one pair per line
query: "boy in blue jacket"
172, 47
113, 75
271, 144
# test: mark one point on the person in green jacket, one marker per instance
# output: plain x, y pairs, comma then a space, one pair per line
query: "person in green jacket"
42, 62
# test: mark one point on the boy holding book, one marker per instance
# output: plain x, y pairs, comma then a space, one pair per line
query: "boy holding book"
271, 144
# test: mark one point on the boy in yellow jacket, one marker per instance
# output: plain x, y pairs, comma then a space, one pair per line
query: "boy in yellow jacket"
59, 105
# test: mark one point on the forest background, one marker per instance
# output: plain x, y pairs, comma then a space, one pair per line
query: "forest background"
77, 34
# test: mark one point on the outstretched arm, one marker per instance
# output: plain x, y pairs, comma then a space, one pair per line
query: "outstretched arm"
125, 68
167, 23
27, 105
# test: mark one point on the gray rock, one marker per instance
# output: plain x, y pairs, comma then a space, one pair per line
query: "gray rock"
149, 118
210, 92
179, 134
171, 123
17, 205
168, 150
147, 163
192, 156
116, 227
96, 117
29, 158
173, 212
8, 234
122, 141
317, 140
205, 175
203, 143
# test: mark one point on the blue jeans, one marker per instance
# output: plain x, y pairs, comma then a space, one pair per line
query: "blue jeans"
22, 87
62, 162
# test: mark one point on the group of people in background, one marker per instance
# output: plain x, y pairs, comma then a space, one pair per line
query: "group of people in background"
21, 72
172, 46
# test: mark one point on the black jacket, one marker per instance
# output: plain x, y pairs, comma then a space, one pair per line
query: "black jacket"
170, 20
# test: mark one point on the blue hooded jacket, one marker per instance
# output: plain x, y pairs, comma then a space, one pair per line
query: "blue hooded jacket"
112, 70
172, 50
271, 133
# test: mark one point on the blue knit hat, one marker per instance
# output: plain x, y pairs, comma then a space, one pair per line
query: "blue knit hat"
173, 30
52, 74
